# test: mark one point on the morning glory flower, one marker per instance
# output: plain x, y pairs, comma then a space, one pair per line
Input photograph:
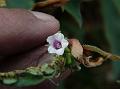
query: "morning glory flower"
57, 43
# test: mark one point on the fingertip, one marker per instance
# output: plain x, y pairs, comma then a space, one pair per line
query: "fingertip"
24, 30
50, 21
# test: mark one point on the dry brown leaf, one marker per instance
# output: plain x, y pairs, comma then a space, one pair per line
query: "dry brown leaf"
76, 48
88, 63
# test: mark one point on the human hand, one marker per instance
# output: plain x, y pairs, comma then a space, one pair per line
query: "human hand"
22, 38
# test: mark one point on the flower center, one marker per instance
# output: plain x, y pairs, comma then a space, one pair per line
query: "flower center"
57, 44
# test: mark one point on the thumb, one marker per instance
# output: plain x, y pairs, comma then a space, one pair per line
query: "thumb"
22, 30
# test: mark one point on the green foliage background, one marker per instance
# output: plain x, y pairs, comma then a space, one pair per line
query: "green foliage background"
95, 22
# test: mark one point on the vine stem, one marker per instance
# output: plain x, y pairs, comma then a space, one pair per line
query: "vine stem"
57, 65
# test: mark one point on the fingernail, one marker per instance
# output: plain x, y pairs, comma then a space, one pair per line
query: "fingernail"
43, 16
48, 19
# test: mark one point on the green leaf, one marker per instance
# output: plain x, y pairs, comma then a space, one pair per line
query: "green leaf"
29, 80
35, 76
9, 81
34, 71
70, 27
25, 4
47, 69
73, 8
71, 20
117, 4
112, 26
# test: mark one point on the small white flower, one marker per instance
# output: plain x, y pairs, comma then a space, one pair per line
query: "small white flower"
57, 43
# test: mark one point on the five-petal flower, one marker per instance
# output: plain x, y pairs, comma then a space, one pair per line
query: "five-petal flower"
57, 43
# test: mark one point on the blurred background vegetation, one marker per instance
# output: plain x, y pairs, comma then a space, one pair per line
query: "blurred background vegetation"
94, 22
